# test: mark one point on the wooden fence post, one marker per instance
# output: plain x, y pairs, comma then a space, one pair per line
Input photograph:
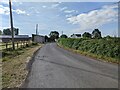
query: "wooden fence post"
21, 44
6, 46
17, 45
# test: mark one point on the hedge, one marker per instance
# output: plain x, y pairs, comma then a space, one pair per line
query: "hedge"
104, 47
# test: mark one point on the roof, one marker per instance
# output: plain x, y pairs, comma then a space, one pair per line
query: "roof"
79, 35
38, 35
16, 36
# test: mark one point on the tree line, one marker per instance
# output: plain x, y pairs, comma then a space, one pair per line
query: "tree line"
96, 34
9, 32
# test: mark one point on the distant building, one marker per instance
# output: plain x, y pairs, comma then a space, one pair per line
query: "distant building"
76, 36
8, 38
38, 38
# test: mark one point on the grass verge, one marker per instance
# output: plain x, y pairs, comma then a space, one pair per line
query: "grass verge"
91, 55
14, 64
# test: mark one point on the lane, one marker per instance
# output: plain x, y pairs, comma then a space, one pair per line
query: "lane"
54, 67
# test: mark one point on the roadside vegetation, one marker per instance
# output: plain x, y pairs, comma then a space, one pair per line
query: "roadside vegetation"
14, 65
93, 45
106, 49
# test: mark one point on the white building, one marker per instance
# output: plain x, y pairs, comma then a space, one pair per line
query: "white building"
76, 36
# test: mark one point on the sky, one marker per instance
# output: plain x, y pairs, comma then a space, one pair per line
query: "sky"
69, 17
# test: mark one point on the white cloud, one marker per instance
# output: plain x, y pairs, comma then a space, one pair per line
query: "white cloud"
18, 11
7, 1
54, 5
44, 6
28, 14
70, 11
69, 15
5, 10
62, 9
95, 18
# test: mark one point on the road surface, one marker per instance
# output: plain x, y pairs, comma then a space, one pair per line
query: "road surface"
54, 67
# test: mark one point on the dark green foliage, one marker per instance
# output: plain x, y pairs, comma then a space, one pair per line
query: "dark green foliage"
96, 34
46, 39
63, 36
104, 47
16, 31
87, 35
34, 43
54, 35
9, 32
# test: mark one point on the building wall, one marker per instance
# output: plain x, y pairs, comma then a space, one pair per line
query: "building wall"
38, 39
74, 36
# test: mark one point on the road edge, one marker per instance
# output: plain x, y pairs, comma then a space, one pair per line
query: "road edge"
94, 58
29, 66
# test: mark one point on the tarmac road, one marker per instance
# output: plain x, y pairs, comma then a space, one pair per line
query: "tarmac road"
54, 67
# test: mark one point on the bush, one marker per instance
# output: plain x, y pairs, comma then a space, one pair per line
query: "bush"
105, 47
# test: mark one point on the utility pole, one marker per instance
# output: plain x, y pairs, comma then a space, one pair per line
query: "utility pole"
36, 29
11, 22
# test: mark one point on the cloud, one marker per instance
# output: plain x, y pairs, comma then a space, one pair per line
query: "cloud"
69, 15
95, 18
18, 11
70, 11
7, 1
6, 11
44, 6
62, 9
54, 5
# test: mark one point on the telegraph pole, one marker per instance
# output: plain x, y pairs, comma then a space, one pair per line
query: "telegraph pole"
36, 29
11, 22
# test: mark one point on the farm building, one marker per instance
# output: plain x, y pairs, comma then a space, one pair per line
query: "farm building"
76, 36
8, 38
38, 38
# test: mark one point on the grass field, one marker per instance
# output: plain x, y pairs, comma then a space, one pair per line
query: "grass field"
14, 66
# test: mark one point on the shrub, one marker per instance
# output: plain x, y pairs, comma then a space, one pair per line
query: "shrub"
105, 47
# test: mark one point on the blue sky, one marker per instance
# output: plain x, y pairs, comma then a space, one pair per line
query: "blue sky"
69, 17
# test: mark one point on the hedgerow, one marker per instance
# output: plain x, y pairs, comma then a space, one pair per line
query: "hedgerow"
103, 47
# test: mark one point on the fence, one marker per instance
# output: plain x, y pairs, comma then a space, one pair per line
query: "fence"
18, 44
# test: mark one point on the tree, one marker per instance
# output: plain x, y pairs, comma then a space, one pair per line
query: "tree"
0, 32
46, 38
16, 31
63, 36
87, 35
54, 35
108, 37
96, 34
9, 32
